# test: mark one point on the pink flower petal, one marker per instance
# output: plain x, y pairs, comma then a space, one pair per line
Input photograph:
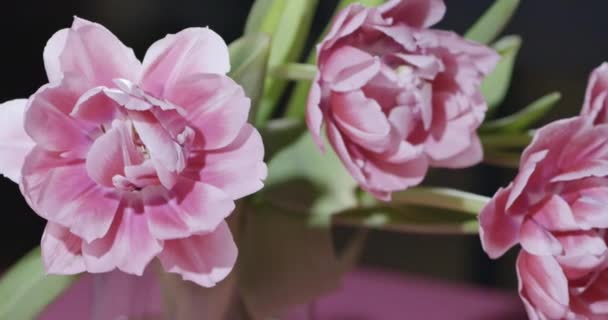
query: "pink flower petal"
53, 49
15, 144
361, 121
168, 156
204, 259
415, 13
189, 208
352, 66
526, 170
215, 106
110, 153
498, 230
596, 89
61, 252
48, 120
543, 283
128, 246
384, 176
452, 142
60, 191
467, 158
314, 115
555, 215
238, 169
537, 240
92, 52
96, 106
582, 243
354, 166
179, 56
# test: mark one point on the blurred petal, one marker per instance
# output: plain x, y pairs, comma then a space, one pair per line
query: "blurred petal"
15, 144
61, 252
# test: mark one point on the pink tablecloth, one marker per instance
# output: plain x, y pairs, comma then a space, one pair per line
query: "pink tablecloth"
365, 295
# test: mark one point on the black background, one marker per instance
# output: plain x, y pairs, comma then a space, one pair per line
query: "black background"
563, 41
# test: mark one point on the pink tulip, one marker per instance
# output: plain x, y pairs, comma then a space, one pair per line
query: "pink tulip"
397, 97
556, 209
129, 161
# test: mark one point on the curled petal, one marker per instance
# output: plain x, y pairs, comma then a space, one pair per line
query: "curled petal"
204, 259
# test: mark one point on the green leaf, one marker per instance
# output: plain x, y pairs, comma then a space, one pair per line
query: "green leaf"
249, 59
289, 30
302, 179
295, 71
264, 16
279, 134
26, 289
524, 118
368, 3
492, 22
495, 86
296, 106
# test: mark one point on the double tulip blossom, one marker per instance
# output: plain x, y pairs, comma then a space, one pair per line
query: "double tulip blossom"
397, 97
556, 208
129, 161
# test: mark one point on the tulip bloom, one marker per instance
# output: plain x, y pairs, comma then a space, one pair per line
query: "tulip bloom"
129, 161
397, 97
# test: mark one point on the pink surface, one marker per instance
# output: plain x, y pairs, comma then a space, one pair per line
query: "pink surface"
365, 295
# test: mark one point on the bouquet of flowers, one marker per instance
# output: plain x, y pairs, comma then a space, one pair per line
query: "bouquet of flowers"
178, 162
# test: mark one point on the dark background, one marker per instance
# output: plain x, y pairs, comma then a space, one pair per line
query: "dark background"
563, 41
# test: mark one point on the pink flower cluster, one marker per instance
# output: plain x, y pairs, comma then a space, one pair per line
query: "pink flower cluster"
129, 161
557, 209
397, 97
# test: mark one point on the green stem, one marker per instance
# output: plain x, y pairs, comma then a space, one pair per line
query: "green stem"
295, 71
443, 198
378, 222
512, 140
502, 158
